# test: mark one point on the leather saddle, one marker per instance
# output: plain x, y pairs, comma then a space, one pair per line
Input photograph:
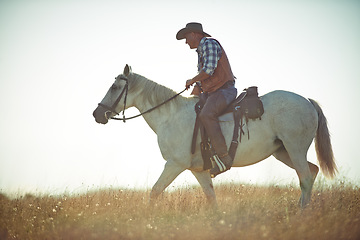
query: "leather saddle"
246, 106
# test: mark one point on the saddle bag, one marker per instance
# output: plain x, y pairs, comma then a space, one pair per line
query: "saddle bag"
251, 106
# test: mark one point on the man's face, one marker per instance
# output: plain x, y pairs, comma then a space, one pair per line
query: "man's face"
191, 40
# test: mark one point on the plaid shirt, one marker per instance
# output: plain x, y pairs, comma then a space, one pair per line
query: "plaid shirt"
209, 53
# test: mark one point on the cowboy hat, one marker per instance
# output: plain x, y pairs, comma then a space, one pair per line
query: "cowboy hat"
191, 27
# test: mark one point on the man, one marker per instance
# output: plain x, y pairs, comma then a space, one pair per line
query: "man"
215, 79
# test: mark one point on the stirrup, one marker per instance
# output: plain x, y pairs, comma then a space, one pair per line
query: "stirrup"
216, 171
218, 167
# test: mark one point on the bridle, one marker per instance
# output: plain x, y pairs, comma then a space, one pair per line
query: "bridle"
112, 108
125, 91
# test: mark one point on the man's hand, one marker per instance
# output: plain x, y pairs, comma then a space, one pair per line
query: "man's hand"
189, 83
198, 78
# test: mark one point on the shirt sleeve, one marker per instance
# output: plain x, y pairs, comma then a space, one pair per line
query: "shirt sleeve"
211, 55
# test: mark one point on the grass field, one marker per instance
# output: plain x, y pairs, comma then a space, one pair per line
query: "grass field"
244, 212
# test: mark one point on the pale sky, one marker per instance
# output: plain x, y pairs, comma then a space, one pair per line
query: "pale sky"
58, 58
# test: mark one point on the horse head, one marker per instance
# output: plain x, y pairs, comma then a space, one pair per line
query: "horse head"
115, 99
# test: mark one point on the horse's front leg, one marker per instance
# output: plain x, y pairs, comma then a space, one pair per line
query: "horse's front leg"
206, 184
170, 172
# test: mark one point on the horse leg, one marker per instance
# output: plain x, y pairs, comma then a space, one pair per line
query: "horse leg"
205, 182
170, 172
302, 170
282, 155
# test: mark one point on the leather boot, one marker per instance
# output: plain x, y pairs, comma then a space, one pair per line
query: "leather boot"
221, 164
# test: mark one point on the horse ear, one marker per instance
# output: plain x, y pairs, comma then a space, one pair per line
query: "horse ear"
127, 70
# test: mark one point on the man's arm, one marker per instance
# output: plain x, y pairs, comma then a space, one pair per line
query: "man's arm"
198, 78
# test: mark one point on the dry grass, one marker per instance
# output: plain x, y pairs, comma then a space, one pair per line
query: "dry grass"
245, 212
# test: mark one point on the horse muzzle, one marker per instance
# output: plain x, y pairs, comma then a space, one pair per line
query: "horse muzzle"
102, 115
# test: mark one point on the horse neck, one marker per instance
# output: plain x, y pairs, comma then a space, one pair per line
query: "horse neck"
149, 94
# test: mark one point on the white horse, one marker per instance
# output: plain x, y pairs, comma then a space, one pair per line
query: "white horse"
286, 130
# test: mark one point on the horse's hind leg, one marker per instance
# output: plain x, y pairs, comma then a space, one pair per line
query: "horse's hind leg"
283, 156
306, 172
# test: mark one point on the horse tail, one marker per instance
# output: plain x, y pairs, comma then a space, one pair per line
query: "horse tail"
323, 146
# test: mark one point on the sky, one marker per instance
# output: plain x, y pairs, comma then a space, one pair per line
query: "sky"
58, 59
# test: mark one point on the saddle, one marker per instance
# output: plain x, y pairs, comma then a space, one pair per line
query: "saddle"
246, 106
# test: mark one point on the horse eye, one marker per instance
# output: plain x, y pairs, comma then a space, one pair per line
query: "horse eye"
114, 87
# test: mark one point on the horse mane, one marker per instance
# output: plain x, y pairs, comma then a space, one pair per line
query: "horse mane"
151, 91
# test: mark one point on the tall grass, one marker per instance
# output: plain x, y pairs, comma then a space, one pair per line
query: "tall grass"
244, 212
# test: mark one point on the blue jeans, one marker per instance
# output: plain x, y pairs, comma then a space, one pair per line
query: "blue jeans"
216, 104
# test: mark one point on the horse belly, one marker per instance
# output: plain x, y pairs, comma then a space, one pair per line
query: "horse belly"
253, 151
257, 143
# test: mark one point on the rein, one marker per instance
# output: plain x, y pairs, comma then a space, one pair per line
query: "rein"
125, 90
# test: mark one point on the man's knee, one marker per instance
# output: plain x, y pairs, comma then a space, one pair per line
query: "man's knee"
206, 116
